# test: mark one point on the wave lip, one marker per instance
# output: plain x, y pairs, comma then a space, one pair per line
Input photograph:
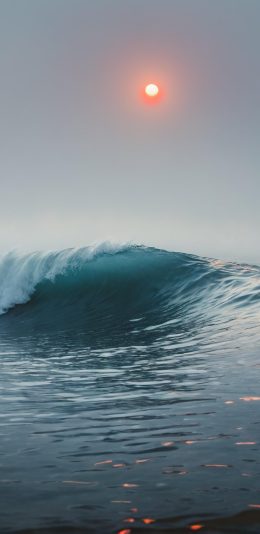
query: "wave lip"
21, 274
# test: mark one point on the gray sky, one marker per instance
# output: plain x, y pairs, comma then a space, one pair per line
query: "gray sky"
84, 158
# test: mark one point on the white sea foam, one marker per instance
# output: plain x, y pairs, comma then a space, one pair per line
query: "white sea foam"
20, 273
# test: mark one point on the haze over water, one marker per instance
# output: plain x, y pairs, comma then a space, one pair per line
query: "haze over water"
84, 159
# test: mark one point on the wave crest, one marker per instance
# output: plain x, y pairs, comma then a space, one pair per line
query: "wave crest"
20, 274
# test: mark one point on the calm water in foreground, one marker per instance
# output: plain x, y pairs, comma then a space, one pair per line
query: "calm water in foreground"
129, 393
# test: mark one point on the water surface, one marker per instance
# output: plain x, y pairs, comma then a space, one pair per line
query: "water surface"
129, 393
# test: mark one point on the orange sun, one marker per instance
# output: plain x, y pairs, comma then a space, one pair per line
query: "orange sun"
151, 90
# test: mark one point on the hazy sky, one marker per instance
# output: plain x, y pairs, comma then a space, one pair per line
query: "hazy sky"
84, 158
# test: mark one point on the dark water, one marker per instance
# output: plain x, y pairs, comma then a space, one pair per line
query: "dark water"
129, 393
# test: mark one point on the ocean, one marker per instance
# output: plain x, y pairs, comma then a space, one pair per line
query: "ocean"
129, 392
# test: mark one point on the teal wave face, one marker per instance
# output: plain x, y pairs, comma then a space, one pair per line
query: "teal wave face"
106, 291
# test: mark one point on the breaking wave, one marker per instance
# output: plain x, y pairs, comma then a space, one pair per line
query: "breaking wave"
108, 286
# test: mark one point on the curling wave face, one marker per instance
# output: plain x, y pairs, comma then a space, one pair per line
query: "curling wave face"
92, 288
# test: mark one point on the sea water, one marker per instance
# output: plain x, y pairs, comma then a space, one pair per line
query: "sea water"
129, 392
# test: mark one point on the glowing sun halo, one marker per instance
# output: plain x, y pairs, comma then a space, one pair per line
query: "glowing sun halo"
152, 90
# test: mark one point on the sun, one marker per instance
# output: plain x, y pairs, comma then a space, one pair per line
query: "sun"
151, 90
